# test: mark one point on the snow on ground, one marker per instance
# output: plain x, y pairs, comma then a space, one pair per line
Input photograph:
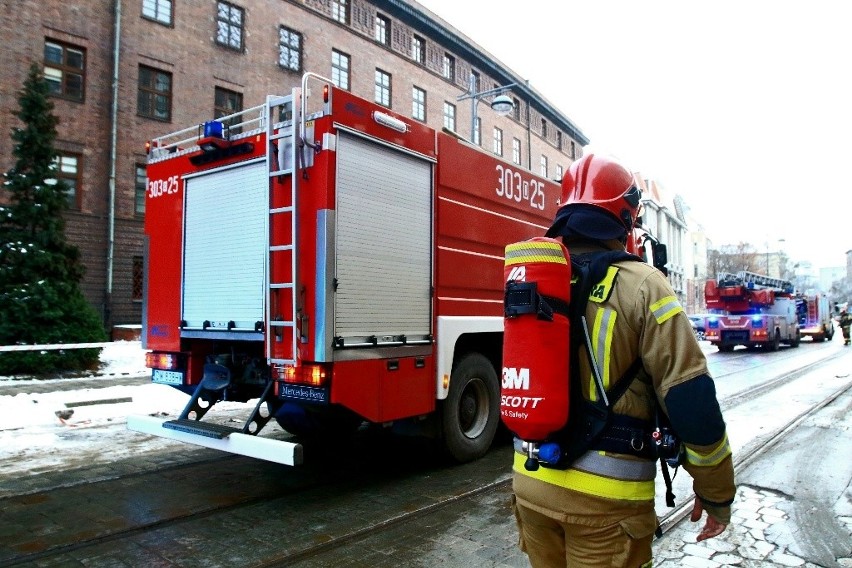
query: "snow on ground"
34, 439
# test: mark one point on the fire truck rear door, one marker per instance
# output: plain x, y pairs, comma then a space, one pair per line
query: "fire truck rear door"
224, 248
383, 247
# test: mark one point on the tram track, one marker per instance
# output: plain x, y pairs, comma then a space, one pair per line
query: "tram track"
743, 459
667, 520
305, 490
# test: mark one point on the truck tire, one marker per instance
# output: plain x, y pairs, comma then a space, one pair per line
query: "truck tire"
829, 333
471, 412
775, 344
726, 348
796, 340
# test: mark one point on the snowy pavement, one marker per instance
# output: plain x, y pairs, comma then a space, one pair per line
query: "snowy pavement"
47, 424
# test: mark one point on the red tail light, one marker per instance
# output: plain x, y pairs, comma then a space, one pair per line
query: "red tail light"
312, 375
169, 361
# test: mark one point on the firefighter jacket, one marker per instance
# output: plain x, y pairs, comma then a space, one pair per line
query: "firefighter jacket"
634, 313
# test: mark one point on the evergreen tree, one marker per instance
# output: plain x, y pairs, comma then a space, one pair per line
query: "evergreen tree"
40, 297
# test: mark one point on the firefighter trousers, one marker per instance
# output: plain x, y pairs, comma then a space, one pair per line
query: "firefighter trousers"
549, 543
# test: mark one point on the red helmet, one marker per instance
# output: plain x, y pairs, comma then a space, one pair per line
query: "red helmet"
604, 183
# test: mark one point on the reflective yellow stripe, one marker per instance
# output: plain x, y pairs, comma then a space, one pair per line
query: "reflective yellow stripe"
715, 456
534, 251
589, 483
602, 344
666, 308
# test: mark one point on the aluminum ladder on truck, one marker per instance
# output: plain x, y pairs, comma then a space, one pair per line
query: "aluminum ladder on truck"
753, 280
282, 120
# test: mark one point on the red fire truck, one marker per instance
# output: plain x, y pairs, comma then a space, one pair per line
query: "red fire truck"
752, 310
330, 262
815, 317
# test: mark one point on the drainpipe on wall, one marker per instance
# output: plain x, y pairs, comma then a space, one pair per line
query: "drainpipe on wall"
116, 47
529, 134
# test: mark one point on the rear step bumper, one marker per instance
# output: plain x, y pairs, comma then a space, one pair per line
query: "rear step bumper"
278, 451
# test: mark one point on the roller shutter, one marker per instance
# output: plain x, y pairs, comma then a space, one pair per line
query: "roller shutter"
224, 247
383, 243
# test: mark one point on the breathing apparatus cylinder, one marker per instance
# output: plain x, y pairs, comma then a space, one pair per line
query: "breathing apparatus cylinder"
536, 338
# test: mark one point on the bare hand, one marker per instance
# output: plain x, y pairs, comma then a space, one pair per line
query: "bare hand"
712, 527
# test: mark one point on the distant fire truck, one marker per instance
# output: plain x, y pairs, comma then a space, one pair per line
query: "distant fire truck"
331, 262
815, 317
751, 310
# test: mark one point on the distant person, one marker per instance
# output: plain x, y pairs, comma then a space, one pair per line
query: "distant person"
845, 320
598, 511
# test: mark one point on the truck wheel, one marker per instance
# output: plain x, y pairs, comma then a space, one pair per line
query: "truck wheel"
829, 334
471, 412
726, 348
796, 340
775, 344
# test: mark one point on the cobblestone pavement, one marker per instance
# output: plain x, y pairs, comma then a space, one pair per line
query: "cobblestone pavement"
483, 533
760, 535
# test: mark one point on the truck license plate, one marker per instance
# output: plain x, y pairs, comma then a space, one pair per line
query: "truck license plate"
167, 377
301, 392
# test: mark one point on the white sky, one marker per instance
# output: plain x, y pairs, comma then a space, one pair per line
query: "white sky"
742, 107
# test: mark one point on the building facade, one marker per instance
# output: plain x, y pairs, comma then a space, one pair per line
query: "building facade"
665, 220
122, 72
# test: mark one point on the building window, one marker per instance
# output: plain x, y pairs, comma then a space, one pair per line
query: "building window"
69, 169
544, 128
340, 11
383, 25
383, 88
418, 49
477, 131
289, 49
340, 69
158, 10
138, 278
477, 81
229, 26
154, 99
544, 166
450, 116
225, 103
558, 172
516, 151
449, 67
498, 141
559, 139
516, 109
573, 150
418, 103
140, 186
64, 70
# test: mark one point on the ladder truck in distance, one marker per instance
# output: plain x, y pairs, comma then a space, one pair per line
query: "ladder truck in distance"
330, 263
752, 310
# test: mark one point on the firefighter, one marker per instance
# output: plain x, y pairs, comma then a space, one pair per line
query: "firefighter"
845, 320
600, 511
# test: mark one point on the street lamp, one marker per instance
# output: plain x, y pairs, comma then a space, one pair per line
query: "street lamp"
502, 104
781, 242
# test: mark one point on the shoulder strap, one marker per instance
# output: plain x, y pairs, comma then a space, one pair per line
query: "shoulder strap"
588, 420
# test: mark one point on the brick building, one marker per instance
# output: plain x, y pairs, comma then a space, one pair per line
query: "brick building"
125, 71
